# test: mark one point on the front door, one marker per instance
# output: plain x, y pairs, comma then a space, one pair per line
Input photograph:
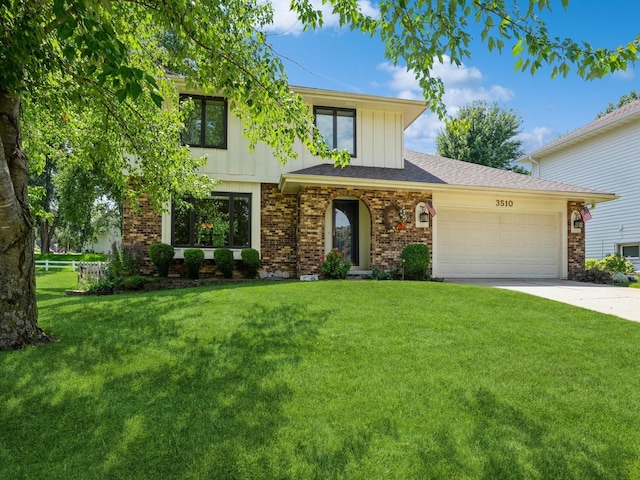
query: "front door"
345, 228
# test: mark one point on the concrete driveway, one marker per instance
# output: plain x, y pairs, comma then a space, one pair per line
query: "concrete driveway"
620, 301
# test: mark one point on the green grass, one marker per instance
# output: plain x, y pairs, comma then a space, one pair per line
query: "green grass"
317, 380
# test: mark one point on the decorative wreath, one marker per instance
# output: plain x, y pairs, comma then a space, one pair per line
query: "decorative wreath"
394, 217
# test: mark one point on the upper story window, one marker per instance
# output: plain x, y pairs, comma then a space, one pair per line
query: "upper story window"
222, 220
206, 125
338, 126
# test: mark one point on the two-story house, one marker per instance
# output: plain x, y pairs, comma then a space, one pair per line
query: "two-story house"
487, 222
604, 155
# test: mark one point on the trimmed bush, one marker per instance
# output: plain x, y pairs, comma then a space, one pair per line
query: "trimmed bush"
415, 260
161, 255
224, 261
590, 263
193, 258
251, 259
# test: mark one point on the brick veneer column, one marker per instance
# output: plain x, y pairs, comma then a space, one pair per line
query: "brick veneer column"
278, 222
386, 246
142, 226
575, 244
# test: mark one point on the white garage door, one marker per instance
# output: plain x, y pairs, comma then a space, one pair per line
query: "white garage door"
493, 244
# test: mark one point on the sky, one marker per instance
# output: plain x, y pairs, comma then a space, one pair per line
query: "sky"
339, 59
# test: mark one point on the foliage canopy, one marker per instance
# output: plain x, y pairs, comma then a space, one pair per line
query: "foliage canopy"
482, 134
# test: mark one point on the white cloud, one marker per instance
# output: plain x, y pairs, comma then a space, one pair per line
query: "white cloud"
462, 85
628, 74
285, 22
536, 138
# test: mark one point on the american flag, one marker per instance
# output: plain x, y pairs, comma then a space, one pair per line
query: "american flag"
430, 209
585, 214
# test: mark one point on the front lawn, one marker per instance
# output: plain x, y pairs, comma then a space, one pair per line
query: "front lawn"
317, 380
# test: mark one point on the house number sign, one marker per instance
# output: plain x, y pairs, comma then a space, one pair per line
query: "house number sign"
504, 203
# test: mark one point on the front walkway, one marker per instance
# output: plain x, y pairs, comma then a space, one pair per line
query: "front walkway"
620, 301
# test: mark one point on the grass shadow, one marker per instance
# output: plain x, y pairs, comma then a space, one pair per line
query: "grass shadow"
151, 400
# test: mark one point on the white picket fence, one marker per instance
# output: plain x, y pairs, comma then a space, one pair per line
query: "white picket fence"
55, 264
84, 269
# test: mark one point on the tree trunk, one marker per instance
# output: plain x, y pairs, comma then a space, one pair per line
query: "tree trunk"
18, 309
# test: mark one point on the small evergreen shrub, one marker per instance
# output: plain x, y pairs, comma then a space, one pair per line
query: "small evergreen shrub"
377, 274
595, 275
134, 282
126, 260
224, 261
193, 258
161, 255
415, 259
251, 259
334, 265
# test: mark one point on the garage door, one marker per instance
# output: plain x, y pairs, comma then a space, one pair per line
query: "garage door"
498, 244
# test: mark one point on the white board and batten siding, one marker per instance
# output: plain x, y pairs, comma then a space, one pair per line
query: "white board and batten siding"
379, 137
608, 162
499, 237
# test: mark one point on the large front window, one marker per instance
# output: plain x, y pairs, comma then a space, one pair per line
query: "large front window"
338, 126
206, 125
222, 220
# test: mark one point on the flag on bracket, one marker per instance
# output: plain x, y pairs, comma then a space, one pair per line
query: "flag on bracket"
430, 209
585, 214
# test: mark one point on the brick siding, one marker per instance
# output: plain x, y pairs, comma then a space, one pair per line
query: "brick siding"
575, 244
278, 221
386, 246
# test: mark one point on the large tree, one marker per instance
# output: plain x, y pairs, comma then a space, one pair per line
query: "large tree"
483, 134
107, 54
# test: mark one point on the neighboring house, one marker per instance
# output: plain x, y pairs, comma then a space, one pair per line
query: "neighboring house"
104, 240
488, 222
603, 155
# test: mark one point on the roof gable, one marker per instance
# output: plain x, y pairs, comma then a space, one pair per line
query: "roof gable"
626, 113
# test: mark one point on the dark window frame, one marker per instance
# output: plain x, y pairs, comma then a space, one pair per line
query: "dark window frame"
203, 117
334, 112
192, 217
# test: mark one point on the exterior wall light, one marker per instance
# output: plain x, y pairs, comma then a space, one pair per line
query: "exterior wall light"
424, 216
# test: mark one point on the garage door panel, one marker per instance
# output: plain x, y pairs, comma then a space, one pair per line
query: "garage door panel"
498, 244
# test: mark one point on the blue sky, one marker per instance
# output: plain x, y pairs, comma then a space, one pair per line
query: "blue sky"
338, 59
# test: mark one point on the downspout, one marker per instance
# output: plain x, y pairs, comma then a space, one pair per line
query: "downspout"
532, 168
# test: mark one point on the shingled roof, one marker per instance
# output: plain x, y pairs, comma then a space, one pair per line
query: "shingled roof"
436, 172
626, 113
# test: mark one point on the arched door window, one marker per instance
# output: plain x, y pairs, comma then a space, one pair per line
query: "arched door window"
345, 228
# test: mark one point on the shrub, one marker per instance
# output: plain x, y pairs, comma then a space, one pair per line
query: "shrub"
101, 285
619, 277
590, 263
595, 275
224, 261
161, 255
377, 274
415, 260
193, 258
616, 263
127, 260
334, 265
134, 282
251, 259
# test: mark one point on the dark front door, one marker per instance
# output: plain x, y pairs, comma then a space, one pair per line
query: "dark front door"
345, 228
